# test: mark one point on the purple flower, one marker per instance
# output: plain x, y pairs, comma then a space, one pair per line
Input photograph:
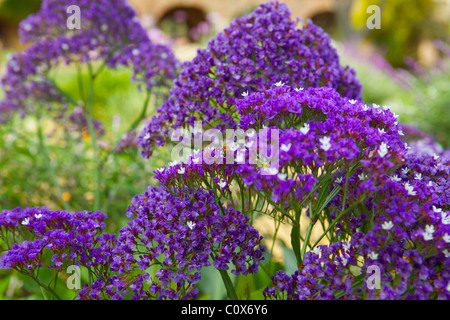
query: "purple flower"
252, 54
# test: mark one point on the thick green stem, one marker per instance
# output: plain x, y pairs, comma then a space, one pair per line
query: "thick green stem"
228, 285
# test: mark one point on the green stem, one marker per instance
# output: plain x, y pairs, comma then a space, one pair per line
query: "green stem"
337, 219
228, 285
93, 135
48, 288
141, 117
49, 167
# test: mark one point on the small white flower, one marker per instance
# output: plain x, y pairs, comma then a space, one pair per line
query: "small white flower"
161, 170
249, 144
174, 163
65, 46
352, 101
428, 234
234, 147
244, 94
26, 221
339, 180
147, 136
395, 115
385, 107
396, 178
435, 156
222, 184
406, 146
387, 225
448, 284
430, 184
240, 157
317, 250
27, 27
279, 84
418, 176
190, 224
250, 133
305, 128
429, 228
344, 261
196, 160
135, 52
381, 130
447, 255
405, 170
298, 89
325, 143
346, 245
365, 107
373, 255
410, 189
38, 215
181, 170
285, 147
436, 209
400, 132
282, 176
376, 106
446, 238
104, 27
383, 150
362, 176
445, 217
272, 171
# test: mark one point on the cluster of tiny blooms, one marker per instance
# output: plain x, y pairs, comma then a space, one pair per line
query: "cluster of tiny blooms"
179, 234
68, 235
325, 131
109, 32
254, 52
344, 270
405, 193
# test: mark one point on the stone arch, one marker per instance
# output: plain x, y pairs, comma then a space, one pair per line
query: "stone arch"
184, 21
327, 20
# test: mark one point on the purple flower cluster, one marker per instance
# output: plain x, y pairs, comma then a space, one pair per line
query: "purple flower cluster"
109, 33
252, 54
183, 233
345, 270
178, 235
68, 235
327, 133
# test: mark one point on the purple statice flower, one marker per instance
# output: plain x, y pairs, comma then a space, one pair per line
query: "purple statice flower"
182, 233
66, 234
253, 53
341, 271
319, 133
324, 273
109, 32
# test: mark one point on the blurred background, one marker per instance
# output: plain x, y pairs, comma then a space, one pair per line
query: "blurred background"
404, 64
